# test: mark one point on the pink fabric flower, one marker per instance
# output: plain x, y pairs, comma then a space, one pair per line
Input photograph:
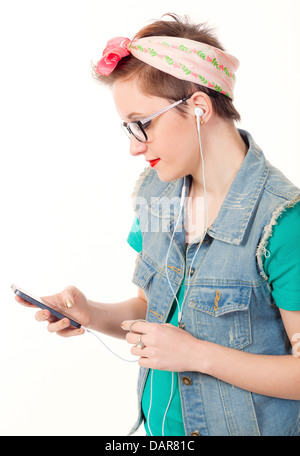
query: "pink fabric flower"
115, 50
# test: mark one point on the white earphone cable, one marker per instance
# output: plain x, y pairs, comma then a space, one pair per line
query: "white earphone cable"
182, 201
168, 252
205, 200
169, 403
100, 340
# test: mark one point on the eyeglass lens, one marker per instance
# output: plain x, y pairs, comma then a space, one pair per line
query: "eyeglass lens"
137, 131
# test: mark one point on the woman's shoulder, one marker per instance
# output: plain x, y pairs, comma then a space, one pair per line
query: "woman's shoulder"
282, 261
287, 227
277, 183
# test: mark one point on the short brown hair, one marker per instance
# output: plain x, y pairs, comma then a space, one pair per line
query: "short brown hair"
157, 83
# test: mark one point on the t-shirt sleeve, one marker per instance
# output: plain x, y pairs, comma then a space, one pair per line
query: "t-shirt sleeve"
282, 266
135, 238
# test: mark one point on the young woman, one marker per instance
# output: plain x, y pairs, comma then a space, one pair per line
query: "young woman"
216, 231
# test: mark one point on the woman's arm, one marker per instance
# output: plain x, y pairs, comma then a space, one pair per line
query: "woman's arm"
277, 376
107, 318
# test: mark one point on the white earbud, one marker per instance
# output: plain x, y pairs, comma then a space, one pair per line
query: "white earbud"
198, 112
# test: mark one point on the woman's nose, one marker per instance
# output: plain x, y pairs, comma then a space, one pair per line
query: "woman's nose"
137, 147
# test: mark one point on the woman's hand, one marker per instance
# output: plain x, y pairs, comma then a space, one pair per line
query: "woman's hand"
70, 302
166, 347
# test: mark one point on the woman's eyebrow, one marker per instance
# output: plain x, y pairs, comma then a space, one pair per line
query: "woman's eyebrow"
134, 114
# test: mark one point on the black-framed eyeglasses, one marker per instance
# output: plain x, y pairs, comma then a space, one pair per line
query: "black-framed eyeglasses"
137, 128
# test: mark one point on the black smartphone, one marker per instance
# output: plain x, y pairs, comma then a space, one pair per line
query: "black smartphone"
39, 303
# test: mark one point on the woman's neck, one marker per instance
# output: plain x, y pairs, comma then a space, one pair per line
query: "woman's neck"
224, 151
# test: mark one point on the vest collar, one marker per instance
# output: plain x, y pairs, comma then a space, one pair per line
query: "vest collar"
240, 202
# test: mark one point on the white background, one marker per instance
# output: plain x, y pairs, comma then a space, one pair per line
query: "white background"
66, 179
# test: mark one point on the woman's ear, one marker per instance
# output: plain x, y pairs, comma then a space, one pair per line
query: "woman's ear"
200, 100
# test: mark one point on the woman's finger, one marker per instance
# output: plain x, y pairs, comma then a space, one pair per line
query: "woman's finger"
42, 315
133, 338
136, 351
70, 332
23, 302
59, 325
136, 326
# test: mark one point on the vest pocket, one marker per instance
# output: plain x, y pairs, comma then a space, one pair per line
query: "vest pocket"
222, 314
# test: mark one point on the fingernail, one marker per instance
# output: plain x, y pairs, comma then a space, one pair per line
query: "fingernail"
69, 303
65, 322
44, 314
122, 325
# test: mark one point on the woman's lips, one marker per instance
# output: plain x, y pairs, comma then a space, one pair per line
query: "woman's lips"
154, 162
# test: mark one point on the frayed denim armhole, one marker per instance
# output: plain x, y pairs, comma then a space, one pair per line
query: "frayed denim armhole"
268, 229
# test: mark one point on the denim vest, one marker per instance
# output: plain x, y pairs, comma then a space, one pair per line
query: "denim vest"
228, 301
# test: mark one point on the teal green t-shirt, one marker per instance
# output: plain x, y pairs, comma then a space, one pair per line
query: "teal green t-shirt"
282, 266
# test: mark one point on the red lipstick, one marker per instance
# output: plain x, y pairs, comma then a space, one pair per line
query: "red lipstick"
154, 162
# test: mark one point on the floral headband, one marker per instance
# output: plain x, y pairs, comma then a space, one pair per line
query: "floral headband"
180, 57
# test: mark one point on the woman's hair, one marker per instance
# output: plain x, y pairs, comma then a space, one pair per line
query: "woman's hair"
157, 83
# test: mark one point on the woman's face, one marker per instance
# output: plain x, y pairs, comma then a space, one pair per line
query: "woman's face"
172, 138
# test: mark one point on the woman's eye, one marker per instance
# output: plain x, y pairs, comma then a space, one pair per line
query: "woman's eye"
147, 125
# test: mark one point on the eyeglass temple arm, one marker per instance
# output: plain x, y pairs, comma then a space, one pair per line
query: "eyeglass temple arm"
147, 119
